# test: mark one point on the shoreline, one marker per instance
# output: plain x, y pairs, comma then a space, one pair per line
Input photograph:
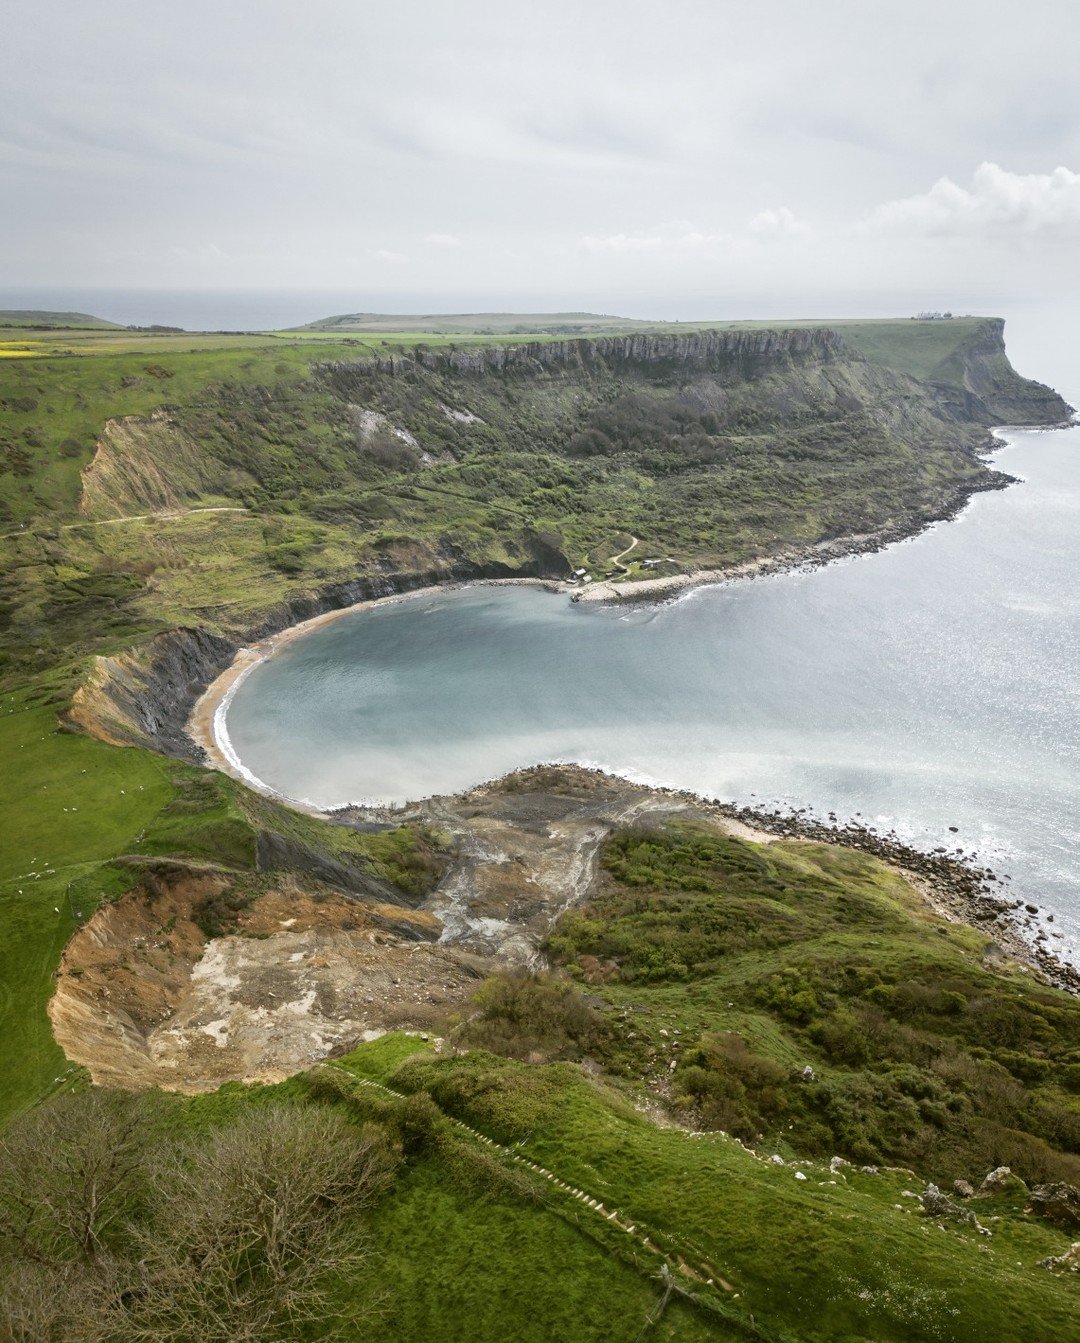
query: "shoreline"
955, 889
202, 723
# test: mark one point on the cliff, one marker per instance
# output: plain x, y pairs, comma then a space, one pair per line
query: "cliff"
728, 351
978, 383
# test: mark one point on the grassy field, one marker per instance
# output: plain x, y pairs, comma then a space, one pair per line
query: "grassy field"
70, 805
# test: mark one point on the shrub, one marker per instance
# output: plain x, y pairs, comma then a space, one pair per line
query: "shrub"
533, 1017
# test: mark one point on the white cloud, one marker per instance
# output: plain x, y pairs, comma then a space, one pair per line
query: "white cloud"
999, 204
777, 223
673, 239
443, 240
620, 242
393, 258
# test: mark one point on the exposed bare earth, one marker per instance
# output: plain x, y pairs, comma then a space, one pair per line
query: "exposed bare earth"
145, 998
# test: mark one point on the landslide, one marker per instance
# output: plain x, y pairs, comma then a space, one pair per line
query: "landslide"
154, 991
148, 465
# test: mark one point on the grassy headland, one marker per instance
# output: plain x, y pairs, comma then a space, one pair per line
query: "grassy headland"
166, 495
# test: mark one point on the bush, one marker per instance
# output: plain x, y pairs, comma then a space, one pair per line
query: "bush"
111, 1228
532, 1017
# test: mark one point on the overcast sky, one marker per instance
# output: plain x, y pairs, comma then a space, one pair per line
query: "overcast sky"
656, 158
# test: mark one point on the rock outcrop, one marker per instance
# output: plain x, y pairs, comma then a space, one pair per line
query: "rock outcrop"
1058, 1203
730, 351
978, 383
939, 1206
1002, 1181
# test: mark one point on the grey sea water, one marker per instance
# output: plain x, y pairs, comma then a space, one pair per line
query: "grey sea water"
931, 685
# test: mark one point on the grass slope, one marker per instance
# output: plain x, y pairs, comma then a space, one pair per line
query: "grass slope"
36, 319
736, 966
798, 1253
69, 806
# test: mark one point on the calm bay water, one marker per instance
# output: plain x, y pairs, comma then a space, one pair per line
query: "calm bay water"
930, 685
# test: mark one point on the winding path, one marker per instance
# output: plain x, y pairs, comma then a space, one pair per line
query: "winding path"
616, 560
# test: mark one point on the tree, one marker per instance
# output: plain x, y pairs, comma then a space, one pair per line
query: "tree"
112, 1230
69, 1171
253, 1229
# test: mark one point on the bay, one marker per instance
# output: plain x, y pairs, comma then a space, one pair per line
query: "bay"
933, 684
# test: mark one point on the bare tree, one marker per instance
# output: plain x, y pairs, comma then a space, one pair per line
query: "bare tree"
52, 1303
68, 1171
114, 1231
255, 1229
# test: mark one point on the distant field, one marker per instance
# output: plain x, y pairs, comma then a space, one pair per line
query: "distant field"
905, 345
480, 323
33, 317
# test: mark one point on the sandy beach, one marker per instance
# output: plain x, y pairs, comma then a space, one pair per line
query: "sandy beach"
204, 724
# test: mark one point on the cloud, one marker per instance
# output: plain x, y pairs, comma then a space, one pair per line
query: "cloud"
778, 223
393, 258
620, 242
998, 205
686, 240
442, 240
680, 239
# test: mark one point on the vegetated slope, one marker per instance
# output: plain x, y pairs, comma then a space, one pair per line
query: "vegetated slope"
740, 966
964, 356
713, 448
489, 1199
836, 1254
38, 319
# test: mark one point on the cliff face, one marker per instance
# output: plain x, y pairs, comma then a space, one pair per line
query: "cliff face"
977, 383
730, 351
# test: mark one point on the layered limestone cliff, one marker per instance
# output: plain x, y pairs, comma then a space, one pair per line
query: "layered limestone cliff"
735, 351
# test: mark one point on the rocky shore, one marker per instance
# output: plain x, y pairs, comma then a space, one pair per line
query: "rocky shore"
955, 884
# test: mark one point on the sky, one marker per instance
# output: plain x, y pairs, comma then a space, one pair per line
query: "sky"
689, 158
